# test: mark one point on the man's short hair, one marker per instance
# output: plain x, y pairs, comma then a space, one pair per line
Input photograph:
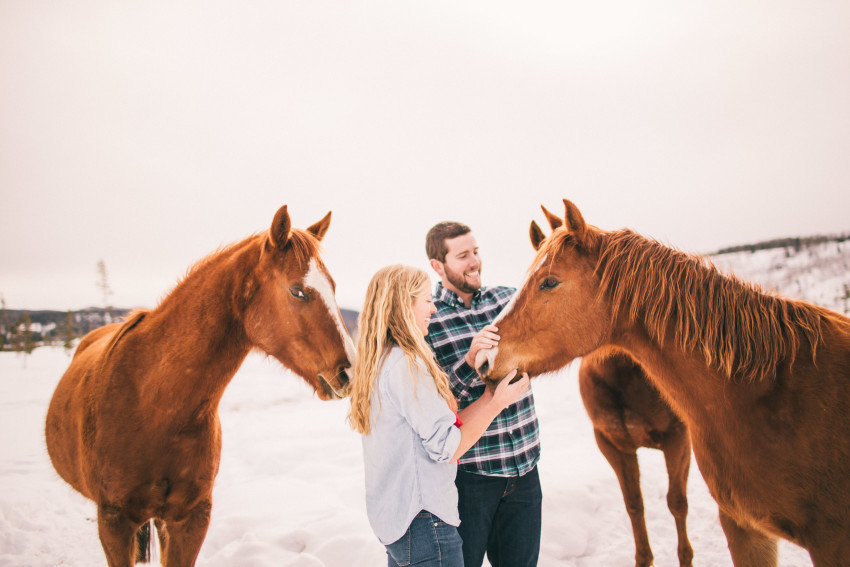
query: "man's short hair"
435, 241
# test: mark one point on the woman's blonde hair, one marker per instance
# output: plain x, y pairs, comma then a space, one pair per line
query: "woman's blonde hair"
387, 320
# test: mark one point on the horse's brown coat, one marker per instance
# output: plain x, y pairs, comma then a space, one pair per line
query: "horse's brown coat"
133, 423
762, 382
628, 413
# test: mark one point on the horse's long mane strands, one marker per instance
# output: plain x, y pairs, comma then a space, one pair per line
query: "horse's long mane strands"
740, 330
303, 245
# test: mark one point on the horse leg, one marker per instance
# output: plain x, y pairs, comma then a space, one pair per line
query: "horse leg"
677, 456
117, 536
625, 465
181, 540
748, 547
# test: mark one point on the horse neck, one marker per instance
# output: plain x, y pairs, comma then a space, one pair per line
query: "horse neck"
682, 376
200, 332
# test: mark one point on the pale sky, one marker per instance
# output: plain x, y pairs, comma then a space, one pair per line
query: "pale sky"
147, 134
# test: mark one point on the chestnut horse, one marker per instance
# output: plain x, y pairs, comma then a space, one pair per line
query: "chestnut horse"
627, 413
762, 382
133, 424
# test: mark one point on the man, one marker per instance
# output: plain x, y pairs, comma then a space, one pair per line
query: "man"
499, 495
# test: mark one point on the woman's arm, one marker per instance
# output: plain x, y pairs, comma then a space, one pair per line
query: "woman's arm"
478, 415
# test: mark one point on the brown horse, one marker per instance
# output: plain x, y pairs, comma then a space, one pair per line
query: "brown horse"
133, 424
762, 382
627, 413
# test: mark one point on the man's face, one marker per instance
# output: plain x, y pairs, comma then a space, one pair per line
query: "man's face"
462, 267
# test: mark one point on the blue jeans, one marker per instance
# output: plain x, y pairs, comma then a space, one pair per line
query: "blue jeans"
500, 517
428, 542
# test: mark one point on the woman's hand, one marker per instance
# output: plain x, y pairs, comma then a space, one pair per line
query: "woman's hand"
478, 415
507, 393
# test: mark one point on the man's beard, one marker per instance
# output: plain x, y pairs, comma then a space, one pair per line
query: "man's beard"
459, 281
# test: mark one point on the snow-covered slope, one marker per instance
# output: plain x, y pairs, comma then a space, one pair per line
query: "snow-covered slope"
818, 273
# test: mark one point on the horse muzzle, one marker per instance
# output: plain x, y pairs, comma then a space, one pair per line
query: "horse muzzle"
340, 386
484, 361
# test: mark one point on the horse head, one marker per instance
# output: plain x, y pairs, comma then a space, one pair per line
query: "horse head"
290, 310
558, 313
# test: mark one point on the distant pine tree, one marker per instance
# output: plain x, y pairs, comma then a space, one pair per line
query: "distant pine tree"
4, 323
68, 332
27, 339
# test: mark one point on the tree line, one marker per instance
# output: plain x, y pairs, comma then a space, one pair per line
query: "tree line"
795, 243
24, 330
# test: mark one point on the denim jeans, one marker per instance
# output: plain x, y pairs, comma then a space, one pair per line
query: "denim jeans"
428, 542
500, 516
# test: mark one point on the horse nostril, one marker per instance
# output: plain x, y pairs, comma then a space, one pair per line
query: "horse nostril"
342, 376
483, 368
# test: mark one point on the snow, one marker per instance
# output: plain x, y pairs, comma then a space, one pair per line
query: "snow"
290, 491
818, 273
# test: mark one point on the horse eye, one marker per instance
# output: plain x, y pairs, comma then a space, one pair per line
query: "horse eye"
298, 293
549, 283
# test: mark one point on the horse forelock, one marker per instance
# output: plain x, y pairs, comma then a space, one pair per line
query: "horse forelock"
741, 330
304, 247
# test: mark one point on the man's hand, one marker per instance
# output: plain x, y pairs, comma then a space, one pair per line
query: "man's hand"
484, 339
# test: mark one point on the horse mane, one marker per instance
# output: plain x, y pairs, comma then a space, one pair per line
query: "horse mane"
302, 244
741, 330
133, 319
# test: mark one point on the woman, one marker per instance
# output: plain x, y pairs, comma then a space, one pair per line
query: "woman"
412, 438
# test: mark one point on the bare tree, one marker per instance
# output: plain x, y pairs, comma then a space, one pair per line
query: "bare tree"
105, 290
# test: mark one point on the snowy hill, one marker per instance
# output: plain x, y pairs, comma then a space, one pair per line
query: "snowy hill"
290, 489
815, 269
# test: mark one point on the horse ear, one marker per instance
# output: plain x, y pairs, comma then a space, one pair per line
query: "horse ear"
320, 228
536, 235
554, 221
279, 231
575, 222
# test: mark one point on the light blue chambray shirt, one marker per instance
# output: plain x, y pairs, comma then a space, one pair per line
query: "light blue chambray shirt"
407, 453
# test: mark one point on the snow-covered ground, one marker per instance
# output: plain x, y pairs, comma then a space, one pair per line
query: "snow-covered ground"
819, 273
290, 490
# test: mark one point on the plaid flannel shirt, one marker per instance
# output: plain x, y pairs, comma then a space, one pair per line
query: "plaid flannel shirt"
511, 444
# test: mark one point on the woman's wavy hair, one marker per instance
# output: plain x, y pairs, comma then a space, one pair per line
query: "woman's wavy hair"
387, 320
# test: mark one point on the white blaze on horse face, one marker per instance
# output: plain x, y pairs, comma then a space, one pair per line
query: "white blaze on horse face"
317, 280
490, 354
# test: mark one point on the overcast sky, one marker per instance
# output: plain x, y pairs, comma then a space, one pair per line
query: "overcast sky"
149, 133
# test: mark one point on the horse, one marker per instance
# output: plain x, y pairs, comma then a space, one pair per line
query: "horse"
133, 424
762, 382
627, 413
